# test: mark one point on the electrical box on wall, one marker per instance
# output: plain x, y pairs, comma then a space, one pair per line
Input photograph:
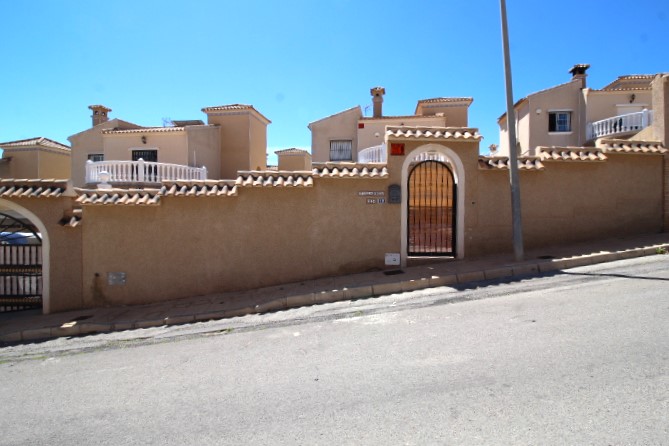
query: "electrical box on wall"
392, 258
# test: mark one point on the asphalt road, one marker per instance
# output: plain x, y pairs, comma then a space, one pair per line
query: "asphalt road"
580, 357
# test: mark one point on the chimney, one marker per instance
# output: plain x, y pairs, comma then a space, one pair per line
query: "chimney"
578, 72
99, 114
377, 98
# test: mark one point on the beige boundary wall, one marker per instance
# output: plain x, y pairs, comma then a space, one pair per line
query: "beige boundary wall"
201, 238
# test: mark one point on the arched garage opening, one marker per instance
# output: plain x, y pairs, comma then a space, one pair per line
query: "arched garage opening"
24, 260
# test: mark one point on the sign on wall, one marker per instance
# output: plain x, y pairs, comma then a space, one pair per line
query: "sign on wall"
373, 196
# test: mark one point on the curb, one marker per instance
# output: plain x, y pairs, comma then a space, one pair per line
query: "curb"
524, 269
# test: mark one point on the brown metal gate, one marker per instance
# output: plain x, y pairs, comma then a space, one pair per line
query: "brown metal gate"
20, 265
431, 225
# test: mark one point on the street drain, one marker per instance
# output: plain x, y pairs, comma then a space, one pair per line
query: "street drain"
546, 257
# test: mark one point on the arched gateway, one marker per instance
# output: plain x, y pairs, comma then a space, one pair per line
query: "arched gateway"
433, 194
20, 263
431, 209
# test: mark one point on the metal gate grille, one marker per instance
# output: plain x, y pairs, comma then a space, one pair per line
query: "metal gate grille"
431, 226
20, 265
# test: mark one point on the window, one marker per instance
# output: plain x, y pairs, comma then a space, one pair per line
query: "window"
340, 150
146, 155
559, 121
95, 157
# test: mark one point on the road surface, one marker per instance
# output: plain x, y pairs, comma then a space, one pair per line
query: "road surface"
579, 357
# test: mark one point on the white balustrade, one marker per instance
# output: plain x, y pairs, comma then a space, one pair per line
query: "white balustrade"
630, 122
142, 172
375, 154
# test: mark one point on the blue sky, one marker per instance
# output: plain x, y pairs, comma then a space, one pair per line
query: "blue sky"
297, 61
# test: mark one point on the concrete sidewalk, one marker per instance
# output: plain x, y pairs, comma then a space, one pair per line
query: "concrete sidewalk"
29, 326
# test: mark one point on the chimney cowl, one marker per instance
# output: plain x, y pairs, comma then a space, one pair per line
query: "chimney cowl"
579, 69
578, 72
377, 98
100, 114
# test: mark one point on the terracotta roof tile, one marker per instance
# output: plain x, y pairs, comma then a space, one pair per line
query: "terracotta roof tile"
291, 151
144, 130
274, 179
38, 141
71, 218
206, 188
630, 77
571, 154
433, 100
32, 188
228, 107
440, 133
234, 107
99, 107
349, 170
148, 197
502, 163
628, 146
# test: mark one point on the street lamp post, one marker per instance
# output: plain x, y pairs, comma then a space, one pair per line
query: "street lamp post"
513, 155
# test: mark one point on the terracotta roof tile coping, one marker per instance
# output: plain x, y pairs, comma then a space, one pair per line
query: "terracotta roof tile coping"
33, 188
350, 170
434, 133
199, 190
149, 197
275, 179
571, 154
631, 146
530, 163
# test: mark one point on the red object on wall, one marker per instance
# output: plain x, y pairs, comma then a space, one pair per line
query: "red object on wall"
397, 149
361, 125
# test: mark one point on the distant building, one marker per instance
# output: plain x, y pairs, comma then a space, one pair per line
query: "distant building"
235, 138
35, 158
349, 136
574, 115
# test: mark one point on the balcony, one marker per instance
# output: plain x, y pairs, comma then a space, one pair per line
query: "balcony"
140, 172
376, 154
621, 124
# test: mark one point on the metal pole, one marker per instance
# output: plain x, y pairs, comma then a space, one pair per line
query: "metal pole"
513, 155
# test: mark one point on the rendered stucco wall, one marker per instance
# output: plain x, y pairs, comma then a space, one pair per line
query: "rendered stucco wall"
264, 236
89, 142
570, 202
342, 126
54, 165
24, 163
204, 149
171, 146
65, 284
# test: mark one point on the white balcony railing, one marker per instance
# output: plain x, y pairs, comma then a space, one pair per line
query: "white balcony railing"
630, 122
141, 172
376, 154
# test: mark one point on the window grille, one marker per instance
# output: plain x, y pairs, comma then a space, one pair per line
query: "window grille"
341, 150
